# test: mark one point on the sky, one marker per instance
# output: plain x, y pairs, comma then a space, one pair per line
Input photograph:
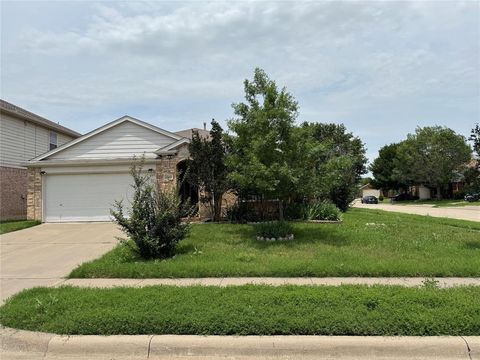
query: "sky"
380, 68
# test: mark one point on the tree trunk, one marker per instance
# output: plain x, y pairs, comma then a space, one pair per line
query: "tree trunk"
280, 210
439, 192
217, 207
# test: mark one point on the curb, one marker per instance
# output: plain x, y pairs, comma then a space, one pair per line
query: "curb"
27, 344
271, 281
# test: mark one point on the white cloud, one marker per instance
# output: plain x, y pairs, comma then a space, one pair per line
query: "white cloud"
363, 63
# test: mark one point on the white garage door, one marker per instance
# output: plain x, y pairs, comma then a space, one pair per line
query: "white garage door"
85, 197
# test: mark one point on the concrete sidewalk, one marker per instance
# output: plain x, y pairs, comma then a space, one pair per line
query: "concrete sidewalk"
273, 281
18, 344
471, 213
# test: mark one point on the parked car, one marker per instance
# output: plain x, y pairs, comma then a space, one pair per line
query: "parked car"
404, 197
369, 200
472, 197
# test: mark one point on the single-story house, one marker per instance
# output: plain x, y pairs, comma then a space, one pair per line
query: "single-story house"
23, 136
80, 180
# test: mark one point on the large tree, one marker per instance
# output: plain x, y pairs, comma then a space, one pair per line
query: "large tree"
263, 145
432, 156
207, 168
383, 168
337, 159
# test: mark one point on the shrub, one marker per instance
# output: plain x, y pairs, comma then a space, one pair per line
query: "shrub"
242, 213
273, 229
380, 198
155, 221
322, 211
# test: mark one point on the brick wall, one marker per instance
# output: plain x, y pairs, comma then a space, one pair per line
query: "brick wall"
13, 193
34, 194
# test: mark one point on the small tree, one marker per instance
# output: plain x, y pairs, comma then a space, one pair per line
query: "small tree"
207, 168
263, 148
475, 139
154, 222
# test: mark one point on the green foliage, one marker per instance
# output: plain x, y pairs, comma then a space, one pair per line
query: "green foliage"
262, 158
207, 168
248, 310
154, 222
273, 229
322, 211
432, 156
331, 162
381, 198
396, 245
383, 168
14, 225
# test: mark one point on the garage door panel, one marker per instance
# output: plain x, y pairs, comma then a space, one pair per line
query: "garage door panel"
85, 197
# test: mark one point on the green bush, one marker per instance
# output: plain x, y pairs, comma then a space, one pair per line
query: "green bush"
155, 221
273, 229
322, 211
240, 212
380, 198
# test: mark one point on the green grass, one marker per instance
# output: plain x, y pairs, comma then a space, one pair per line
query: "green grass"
438, 203
395, 245
247, 310
14, 225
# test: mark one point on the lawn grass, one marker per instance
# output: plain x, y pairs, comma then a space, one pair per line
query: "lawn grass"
367, 243
439, 203
247, 310
14, 225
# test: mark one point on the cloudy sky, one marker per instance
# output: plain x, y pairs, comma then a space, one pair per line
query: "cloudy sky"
381, 68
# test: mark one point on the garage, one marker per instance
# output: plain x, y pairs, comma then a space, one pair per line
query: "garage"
84, 197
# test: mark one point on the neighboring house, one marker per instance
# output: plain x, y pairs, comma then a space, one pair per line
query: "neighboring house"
23, 136
369, 190
80, 181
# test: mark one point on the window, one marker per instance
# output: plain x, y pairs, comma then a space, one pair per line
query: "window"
53, 140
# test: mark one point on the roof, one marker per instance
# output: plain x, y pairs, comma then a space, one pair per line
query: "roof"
14, 110
188, 133
106, 127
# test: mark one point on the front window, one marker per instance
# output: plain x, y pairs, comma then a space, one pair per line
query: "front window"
53, 140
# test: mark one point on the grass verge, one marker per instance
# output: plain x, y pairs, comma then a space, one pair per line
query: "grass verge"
9, 226
367, 243
247, 310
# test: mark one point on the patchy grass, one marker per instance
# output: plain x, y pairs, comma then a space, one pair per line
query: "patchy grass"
247, 310
367, 243
14, 225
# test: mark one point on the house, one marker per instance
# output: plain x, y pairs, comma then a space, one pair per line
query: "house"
80, 180
23, 136
369, 190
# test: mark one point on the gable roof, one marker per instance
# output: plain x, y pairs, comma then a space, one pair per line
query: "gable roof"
188, 133
17, 111
170, 147
104, 128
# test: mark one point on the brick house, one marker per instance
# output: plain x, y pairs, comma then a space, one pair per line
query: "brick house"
80, 180
23, 136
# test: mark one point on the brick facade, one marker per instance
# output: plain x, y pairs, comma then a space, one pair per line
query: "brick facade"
13, 193
34, 194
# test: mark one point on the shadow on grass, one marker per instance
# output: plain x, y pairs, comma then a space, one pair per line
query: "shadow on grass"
473, 245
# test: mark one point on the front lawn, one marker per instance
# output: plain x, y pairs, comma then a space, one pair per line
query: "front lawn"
247, 310
14, 225
367, 243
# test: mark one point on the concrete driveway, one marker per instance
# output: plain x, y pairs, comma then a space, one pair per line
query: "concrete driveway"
471, 213
44, 254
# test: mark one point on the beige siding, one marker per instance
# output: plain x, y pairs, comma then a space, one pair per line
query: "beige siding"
124, 140
21, 141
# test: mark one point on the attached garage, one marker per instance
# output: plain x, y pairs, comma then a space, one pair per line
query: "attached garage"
81, 180
84, 197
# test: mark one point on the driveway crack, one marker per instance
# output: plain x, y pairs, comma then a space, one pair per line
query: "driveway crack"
469, 350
